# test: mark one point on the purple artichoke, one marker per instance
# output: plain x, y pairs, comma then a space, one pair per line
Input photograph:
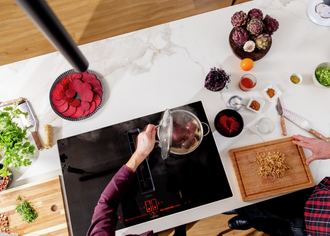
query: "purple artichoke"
216, 79
271, 25
262, 41
255, 13
239, 19
240, 36
255, 26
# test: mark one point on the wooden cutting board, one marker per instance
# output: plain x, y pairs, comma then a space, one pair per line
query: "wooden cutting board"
46, 198
252, 186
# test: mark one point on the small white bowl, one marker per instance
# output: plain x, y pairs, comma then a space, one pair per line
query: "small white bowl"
259, 100
276, 89
314, 78
298, 75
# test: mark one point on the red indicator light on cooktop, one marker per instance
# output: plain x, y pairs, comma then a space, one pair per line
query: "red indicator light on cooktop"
151, 205
148, 206
154, 204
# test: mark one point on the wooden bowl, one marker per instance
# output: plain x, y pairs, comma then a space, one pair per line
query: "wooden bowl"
241, 54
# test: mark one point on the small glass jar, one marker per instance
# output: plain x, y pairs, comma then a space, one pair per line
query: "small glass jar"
235, 102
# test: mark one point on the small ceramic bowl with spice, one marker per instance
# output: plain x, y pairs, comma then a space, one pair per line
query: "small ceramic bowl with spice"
296, 78
272, 92
256, 104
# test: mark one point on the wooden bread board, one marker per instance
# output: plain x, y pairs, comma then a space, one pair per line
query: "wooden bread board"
252, 186
43, 196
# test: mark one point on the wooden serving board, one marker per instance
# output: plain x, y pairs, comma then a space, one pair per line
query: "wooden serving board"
252, 186
45, 196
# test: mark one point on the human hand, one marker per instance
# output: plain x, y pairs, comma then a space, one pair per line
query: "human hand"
145, 142
319, 148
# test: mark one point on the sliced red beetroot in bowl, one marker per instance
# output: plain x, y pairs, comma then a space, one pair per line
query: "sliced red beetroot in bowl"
98, 92
69, 100
92, 108
71, 110
75, 84
78, 113
84, 106
62, 108
70, 93
66, 80
86, 76
76, 95
84, 87
97, 99
75, 76
75, 103
87, 96
57, 102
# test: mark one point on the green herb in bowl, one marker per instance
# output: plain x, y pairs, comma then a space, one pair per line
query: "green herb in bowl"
322, 74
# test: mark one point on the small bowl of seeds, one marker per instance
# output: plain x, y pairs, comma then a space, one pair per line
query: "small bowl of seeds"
296, 78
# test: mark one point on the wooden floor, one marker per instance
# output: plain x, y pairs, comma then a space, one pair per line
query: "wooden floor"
91, 20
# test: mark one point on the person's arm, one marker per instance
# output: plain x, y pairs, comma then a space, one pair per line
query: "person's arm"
105, 217
319, 148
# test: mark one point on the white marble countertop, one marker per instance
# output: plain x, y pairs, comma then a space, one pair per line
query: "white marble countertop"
164, 67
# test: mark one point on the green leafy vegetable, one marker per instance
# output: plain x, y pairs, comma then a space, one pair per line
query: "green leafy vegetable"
12, 142
322, 75
27, 211
18, 198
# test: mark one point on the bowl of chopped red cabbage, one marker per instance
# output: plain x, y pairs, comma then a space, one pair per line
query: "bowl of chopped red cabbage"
229, 123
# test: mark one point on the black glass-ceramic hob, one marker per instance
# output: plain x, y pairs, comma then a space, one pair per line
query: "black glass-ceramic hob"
180, 182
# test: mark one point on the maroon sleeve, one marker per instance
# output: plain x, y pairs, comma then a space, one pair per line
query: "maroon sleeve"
105, 217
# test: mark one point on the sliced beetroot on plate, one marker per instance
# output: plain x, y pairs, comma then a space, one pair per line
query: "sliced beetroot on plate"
62, 95
85, 86
70, 111
94, 81
66, 80
98, 92
66, 86
97, 88
69, 100
59, 87
97, 99
92, 108
75, 103
57, 102
85, 113
87, 96
62, 108
87, 76
85, 106
76, 76
75, 84
78, 113
56, 95
70, 93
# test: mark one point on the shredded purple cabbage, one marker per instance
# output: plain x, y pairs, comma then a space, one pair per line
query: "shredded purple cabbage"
216, 79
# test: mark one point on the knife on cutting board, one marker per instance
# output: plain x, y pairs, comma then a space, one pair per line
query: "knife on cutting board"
303, 123
6, 103
280, 112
